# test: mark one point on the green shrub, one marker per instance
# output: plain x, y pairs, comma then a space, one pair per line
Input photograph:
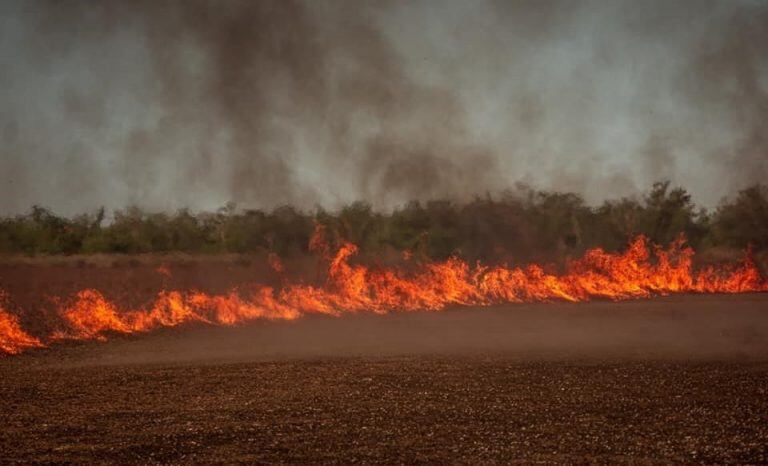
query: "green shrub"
519, 225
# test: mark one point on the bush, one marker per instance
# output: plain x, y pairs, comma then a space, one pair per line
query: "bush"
744, 220
519, 225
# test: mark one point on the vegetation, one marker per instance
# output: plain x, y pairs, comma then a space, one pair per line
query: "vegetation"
520, 225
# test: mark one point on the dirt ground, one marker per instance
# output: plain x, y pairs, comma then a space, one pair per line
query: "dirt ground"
36, 286
676, 379
130, 280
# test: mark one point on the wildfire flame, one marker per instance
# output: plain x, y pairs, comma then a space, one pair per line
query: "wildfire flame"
641, 271
13, 340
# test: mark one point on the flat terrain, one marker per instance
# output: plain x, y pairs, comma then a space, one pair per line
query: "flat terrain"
681, 378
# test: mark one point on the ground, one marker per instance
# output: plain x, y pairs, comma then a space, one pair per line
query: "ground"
675, 379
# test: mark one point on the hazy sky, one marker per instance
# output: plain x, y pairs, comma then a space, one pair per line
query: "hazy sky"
169, 104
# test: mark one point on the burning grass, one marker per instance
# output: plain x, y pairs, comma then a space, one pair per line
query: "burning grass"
13, 339
643, 270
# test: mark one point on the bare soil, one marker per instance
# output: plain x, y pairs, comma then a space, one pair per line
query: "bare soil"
676, 379
673, 379
37, 286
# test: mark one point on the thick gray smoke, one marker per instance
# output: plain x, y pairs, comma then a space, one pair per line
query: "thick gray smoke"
169, 104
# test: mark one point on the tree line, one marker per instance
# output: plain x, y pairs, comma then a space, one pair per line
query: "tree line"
520, 224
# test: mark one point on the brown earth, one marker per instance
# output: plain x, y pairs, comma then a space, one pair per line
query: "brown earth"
674, 379
677, 379
130, 280
37, 286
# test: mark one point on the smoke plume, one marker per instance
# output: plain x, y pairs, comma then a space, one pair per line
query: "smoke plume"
169, 104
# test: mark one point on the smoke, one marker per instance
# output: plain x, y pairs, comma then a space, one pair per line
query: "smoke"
196, 103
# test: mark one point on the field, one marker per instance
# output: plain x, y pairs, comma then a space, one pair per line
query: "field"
678, 378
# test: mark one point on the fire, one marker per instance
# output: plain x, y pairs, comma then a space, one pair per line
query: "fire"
641, 271
13, 340
275, 263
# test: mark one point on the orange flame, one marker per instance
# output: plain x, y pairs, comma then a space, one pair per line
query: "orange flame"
275, 263
13, 340
642, 271
164, 271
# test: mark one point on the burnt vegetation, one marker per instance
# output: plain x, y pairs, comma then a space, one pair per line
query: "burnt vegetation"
520, 224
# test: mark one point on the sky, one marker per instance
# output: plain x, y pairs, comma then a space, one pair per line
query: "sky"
193, 104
